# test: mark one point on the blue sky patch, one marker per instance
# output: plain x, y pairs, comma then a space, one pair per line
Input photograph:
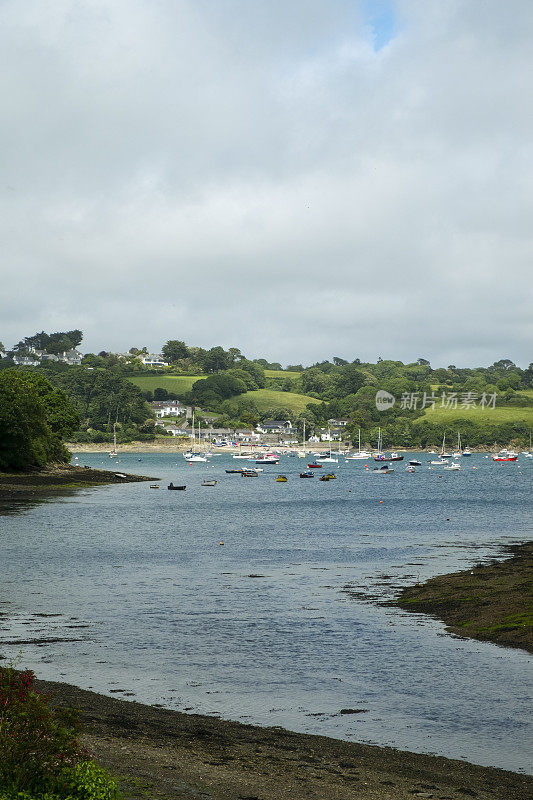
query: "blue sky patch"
380, 16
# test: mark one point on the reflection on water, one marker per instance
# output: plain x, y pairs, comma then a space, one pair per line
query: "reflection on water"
278, 625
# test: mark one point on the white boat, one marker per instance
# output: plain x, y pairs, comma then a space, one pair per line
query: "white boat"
415, 463
113, 453
443, 453
191, 456
240, 454
458, 453
361, 455
452, 466
327, 458
301, 453
467, 452
267, 458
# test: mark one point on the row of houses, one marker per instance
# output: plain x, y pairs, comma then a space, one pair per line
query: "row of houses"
34, 357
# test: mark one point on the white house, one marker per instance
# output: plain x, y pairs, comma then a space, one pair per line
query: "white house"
168, 408
327, 435
154, 360
72, 357
26, 361
276, 426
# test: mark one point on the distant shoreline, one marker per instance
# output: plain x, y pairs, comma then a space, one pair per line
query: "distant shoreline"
173, 446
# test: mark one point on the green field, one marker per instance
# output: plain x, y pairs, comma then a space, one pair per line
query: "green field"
268, 398
281, 373
494, 416
172, 383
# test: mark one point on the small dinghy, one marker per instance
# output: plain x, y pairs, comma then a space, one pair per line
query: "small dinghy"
209, 483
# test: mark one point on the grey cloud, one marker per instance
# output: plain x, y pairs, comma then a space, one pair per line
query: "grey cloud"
254, 174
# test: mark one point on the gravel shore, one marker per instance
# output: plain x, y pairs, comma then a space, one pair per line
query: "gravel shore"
169, 755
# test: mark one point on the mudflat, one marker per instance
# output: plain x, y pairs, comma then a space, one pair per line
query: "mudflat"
57, 479
169, 755
492, 602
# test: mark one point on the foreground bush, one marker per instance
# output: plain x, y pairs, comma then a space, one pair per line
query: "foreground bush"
40, 757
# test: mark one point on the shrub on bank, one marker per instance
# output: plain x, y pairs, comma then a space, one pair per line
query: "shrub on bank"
40, 757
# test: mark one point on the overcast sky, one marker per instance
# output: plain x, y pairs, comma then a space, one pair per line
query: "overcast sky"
297, 179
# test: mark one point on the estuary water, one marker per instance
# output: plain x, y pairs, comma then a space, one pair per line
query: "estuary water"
129, 591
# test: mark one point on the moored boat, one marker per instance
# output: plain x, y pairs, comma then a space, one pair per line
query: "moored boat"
171, 486
307, 474
396, 457
505, 455
267, 458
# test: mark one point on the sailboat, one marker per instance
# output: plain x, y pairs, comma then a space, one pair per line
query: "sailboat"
443, 453
240, 454
379, 455
443, 456
301, 453
327, 457
458, 453
361, 454
191, 455
113, 453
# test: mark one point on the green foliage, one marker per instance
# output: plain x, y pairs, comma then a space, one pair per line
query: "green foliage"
36, 741
209, 392
85, 781
51, 342
33, 418
215, 360
174, 350
102, 397
40, 757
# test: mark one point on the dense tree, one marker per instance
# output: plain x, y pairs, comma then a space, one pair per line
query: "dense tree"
54, 343
102, 397
175, 350
33, 417
215, 360
349, 379
209, 392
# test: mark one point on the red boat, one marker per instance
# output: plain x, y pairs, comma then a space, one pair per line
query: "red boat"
314, 465
505, 458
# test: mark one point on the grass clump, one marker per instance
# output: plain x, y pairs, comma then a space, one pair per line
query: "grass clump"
40, 756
